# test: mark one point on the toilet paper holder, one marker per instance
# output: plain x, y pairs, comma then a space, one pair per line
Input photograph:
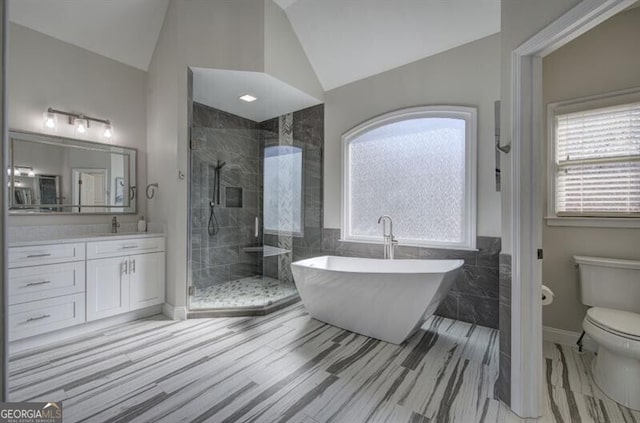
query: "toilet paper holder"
547, 295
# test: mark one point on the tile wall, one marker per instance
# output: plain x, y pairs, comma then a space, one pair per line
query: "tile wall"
217, 135
308, 134
503, 386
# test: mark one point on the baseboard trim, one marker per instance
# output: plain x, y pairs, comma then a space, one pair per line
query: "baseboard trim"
567, 337
57, 336
174, 313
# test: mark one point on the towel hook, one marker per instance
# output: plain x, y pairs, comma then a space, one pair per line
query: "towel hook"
506, 149
501, 148
151, 190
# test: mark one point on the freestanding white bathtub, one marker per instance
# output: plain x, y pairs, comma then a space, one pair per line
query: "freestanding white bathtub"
383, 299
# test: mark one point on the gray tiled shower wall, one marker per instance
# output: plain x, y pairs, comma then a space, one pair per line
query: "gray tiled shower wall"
218, 135
308, 133
473, 298
240, 143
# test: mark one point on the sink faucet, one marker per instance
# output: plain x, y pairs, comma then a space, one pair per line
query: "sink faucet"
114, 225
390, 243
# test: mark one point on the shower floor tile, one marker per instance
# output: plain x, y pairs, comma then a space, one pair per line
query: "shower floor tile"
254, 291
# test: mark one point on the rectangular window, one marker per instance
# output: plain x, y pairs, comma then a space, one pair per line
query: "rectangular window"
283, 190
597, 162
418, 167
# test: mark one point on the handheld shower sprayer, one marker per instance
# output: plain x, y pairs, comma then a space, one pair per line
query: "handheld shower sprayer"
213, 226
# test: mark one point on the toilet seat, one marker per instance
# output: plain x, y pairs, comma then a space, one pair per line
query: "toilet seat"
617, 322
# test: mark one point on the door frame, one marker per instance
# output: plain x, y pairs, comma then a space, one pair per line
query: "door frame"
527, 194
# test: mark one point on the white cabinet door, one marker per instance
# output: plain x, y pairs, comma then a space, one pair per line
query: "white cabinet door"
146, 272
107, 287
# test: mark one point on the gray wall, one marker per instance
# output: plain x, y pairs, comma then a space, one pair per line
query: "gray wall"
602, 60
235, 140
45, 72
468, 75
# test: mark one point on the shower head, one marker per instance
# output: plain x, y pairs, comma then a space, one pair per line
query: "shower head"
220, 165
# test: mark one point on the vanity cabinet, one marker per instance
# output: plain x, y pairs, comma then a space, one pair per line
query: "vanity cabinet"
56, 286
46, 288
120, 284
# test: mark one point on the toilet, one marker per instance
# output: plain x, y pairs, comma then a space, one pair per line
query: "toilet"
612, 288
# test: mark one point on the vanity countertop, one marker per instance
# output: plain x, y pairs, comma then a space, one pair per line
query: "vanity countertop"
84, 238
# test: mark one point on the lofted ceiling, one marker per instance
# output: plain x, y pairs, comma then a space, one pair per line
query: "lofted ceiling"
221, 89
344, 40
123, 30
349, 40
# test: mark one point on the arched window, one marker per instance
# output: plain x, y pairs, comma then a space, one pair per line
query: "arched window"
418, 166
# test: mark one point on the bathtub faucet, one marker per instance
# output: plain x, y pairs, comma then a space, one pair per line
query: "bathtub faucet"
390, 243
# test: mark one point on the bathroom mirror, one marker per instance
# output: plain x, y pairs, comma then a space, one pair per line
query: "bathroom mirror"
49, 174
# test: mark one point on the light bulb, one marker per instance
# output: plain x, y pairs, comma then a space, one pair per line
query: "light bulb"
31, 173
9, 171
50, 120
108, 131
16, 172
81, 126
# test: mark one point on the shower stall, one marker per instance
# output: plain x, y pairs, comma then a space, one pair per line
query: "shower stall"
255, 206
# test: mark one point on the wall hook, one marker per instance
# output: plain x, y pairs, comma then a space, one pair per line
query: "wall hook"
506, 149
151, 190
496, 110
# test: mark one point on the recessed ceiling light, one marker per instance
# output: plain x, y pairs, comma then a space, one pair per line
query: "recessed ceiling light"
248, 98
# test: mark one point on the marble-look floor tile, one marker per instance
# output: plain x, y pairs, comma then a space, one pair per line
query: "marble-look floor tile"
287, 367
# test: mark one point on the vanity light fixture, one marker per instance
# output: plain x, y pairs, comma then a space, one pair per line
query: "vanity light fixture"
248, 98
80, 121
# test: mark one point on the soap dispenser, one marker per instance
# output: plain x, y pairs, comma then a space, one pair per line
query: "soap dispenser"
142, 225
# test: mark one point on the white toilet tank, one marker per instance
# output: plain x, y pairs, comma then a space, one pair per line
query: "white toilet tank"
610, 283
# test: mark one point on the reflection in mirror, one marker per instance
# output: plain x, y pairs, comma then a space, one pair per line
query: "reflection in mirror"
60, 175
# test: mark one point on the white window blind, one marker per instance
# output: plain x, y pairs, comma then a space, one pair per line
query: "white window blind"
598, 162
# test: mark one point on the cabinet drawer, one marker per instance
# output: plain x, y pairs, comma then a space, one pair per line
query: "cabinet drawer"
42, 316
40, 282
124, 247
45, 254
